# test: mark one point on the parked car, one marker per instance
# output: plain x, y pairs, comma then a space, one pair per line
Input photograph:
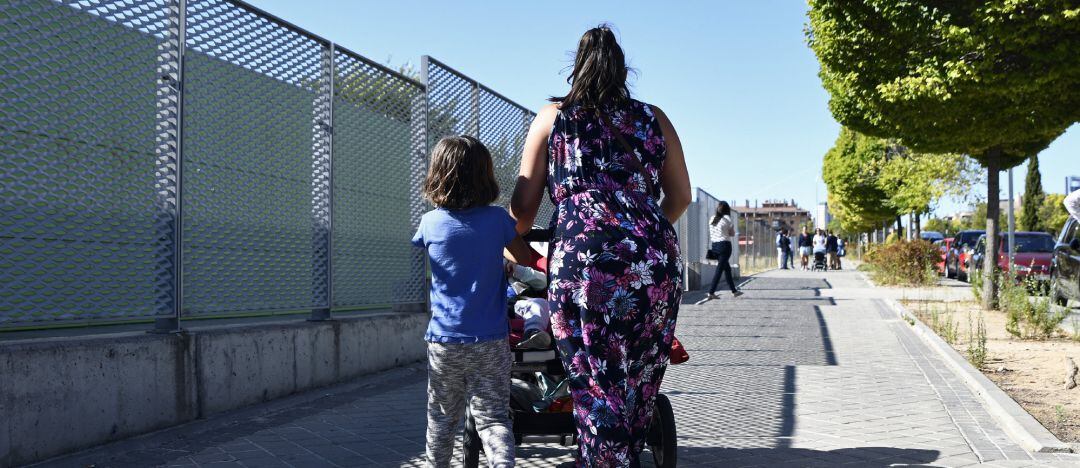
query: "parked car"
1032, 256
1065, 270
932, 236
958, 259
944, 245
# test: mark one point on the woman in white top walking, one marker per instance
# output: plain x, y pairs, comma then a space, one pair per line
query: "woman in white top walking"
721, 233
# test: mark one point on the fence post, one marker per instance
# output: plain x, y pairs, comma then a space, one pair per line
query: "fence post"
168, 172
322, 192
416, 296
476, 109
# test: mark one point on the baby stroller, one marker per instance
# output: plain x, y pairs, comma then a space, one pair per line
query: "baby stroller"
820, 263
552, 415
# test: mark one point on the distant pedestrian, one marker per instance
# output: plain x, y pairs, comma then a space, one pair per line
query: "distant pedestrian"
785, 250
841, 252
832, 249
721, 232
806, 247
779, 249
468, 355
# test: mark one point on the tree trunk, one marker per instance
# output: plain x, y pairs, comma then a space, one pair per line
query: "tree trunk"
993, 212
918, 226
899, 227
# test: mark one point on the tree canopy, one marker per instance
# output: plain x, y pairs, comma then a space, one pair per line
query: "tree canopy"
850, 170
914, 182
992, 79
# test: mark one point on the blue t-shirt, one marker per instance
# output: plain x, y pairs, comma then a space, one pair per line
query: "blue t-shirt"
468, 283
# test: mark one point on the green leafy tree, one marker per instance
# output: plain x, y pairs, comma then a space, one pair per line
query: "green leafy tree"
1030, 219
915, 182
937, 224
1052, 212
992, 79
850, 171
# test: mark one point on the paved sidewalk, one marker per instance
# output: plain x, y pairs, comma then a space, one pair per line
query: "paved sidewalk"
805, 370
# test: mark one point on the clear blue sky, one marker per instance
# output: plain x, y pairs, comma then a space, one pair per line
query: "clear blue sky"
735, 77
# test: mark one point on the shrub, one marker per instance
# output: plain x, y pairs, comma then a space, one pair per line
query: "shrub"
976, 346
908, 263
1027, 318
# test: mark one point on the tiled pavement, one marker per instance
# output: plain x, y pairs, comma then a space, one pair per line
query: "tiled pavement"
784, 376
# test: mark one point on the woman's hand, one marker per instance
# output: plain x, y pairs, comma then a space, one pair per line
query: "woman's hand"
675, 181
532, 177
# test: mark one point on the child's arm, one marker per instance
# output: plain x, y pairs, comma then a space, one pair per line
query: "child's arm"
518, 251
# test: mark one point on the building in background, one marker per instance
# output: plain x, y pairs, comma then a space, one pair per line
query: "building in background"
960, 217
822, 217
776, 214
1072, 184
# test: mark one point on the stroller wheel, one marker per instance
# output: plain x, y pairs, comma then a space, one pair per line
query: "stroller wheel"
662, 439
471, 444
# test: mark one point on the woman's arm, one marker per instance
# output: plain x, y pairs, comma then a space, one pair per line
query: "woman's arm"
529, 190
675, 181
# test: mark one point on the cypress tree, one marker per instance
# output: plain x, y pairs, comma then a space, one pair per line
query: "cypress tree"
1033, 198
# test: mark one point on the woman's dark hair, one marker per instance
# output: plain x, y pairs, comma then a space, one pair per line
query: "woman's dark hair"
722, 209
461, 174
599, 76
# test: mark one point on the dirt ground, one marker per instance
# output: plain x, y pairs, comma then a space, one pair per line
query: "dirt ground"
1031, 372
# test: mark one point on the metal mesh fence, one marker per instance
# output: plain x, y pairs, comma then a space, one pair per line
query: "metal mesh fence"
458, 104
379, 163
172, 158
255, 148
203, 157
77, 172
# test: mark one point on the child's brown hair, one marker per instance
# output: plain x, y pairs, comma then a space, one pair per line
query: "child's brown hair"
461, 174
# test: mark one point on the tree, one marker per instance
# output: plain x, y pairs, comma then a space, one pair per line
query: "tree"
937, 224
1033, 198
850, 171
1052, 213
915, 182
992, 79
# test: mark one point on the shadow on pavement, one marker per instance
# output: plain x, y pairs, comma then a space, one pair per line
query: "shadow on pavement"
863, 457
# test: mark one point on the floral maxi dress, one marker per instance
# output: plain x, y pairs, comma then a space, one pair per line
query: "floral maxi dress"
615, 275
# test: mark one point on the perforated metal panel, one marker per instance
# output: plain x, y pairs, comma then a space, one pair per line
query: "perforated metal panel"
77, 159
458, 104
256, 143
379, 164
171, 158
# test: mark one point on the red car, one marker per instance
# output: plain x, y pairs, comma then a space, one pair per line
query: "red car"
945, 245
1032, 257
956, 264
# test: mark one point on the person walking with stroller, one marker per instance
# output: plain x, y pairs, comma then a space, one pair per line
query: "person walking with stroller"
468, 354
721, 232
615, 266
819, 250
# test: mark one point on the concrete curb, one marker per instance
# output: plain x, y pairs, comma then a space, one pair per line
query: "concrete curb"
1017, 423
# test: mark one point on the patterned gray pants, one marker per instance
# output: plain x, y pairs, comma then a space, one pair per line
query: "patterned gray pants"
480, 374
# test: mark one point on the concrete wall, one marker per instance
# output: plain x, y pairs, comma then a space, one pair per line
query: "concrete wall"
59, 395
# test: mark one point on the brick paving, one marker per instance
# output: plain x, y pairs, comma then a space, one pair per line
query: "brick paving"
785, 376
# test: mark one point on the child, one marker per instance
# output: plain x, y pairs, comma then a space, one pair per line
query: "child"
468, 354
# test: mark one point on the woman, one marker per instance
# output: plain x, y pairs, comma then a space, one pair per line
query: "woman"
721, 231
614, 257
